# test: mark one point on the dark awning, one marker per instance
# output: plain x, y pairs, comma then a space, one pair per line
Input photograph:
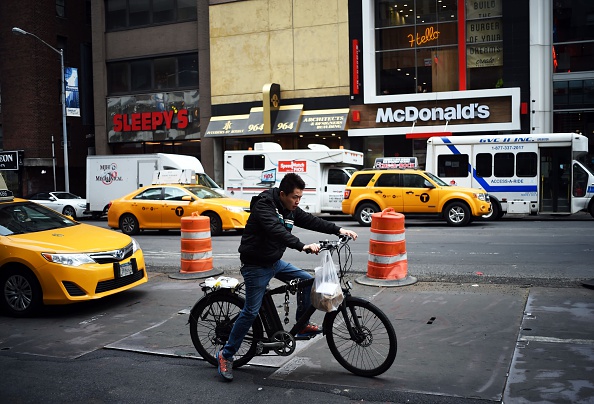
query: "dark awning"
228, 125
324, 120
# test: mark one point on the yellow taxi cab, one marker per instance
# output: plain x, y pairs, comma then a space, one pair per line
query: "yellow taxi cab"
48, 258
397, 183
161, 206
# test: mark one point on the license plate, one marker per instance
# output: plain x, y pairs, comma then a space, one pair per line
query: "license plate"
126, 269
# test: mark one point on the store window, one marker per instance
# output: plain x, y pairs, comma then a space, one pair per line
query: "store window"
416, 46
484, 44
174, 72
121, 14
61, 8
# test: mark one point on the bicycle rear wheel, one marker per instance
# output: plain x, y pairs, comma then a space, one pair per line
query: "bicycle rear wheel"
373, 348
211, 320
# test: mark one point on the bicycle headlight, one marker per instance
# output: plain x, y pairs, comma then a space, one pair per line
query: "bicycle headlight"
72, 260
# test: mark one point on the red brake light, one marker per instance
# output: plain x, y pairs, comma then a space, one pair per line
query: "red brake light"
347, 193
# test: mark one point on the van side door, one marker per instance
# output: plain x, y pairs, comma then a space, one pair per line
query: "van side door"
335, 180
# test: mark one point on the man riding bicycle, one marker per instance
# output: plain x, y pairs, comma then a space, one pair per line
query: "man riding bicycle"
267, 234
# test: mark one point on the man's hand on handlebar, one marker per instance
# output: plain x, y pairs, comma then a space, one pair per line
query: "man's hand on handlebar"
349, 233
312, 248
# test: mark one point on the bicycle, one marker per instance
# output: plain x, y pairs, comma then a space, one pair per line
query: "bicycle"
359, 335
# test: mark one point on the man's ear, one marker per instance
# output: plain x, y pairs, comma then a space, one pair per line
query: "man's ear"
282, 193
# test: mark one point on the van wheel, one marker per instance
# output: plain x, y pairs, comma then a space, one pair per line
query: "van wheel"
21, 294
216, 226
364, 213
457, 214
592, 209
129, 224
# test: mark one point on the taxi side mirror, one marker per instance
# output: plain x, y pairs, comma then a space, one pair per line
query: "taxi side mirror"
429, 184
187, 198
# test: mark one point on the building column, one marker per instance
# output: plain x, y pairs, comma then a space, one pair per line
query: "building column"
541, 66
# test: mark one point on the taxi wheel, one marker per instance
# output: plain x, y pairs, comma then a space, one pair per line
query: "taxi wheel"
69, 211
21, 293
457, 214
216, 226
364, 213
129, 224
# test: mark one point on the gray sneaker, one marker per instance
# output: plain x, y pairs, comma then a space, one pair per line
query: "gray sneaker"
225, 366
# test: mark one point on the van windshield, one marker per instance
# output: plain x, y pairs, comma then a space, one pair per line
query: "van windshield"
436, 179
206, 181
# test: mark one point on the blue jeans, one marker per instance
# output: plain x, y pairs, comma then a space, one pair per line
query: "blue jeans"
256, 279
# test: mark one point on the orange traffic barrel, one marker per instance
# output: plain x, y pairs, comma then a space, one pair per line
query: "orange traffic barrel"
387, 264
196, 248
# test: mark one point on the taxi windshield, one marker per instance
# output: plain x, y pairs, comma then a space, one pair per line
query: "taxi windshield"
436, 179
25, 217
204, 193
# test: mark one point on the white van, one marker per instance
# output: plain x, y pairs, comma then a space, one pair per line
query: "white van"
523, 174
325, 172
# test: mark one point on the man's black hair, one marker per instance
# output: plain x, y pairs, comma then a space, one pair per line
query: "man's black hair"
291, 181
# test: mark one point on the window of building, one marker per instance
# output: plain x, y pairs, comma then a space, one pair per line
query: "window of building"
484, 164
452, 165
412, 43
253, 162
163, 11
573, 36
526, 164
144, 75
61, 8
122, 14
504, 165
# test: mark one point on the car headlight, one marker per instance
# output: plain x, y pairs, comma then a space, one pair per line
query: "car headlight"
72, 260
135, 246
82, 205
482, 197
234, 209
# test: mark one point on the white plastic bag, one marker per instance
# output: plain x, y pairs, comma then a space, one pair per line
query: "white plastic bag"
326, 293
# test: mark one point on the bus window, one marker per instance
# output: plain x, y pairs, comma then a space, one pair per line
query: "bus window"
580, 181
484, 164
526, 164
504, 164
452, 165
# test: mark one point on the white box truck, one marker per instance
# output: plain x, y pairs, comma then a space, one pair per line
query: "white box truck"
113, 176
325, 172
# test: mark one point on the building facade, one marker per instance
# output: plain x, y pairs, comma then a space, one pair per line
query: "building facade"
200, 77
31, 130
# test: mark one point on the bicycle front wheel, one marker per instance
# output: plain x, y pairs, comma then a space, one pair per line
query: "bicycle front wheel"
211, 321
371, 349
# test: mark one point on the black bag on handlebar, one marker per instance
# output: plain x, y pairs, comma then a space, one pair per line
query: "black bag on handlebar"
326, 293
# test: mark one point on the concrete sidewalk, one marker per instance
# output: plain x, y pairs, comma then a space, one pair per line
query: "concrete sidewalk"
501, 343
481, 341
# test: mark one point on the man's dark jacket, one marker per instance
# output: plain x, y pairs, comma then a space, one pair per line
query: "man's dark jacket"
267, 233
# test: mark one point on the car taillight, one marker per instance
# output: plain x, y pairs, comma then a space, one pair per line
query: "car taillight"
109, 205
347, 193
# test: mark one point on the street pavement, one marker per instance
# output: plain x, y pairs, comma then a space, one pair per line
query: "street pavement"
464, 342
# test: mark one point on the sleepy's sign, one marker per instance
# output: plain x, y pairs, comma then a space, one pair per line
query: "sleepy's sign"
150, 120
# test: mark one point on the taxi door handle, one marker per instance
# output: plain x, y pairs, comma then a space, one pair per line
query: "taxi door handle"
409, 192
378, 191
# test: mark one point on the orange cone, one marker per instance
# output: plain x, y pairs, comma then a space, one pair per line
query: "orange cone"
387, 264
196, 249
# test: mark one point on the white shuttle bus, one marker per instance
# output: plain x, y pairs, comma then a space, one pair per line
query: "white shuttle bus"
523, 174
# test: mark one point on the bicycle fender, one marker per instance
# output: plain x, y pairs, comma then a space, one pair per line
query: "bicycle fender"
329, 317
212, 294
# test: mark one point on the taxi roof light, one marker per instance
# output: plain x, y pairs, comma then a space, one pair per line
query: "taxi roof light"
391, 163
6, 195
